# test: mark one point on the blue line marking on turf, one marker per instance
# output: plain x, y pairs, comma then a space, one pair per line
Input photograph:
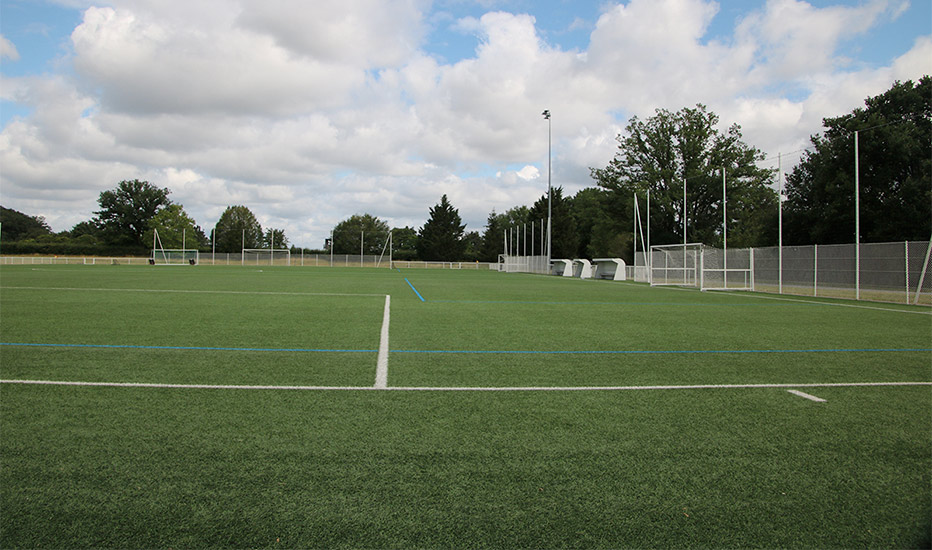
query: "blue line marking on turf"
649, 352
415, 290
473, 352
185, 348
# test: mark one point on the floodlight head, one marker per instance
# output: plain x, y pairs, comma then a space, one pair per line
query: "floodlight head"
546, 114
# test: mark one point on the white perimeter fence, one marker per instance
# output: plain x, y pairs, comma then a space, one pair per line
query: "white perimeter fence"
255, 260
890, 272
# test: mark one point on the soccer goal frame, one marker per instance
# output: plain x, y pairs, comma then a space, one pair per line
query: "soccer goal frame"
675, 264
175, 256
266, 256
726, 269
172, 256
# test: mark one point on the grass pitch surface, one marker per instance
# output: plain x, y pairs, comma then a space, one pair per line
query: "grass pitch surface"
130, 466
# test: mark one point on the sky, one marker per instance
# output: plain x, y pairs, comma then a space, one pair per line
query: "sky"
310, 112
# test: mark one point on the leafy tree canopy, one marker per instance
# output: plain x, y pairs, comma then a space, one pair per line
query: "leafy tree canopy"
125, 211
441, 237
176, 229
274, 238
363, 230
17, 226
404, 242
236, 229
668, 150
493, 238
894, 131
563, 237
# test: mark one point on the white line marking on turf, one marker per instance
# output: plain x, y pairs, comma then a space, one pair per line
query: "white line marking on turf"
807, 396
464, 388
381, 366
816, 302
157, 290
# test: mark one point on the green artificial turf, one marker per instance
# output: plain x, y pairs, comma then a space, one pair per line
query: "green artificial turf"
142, 467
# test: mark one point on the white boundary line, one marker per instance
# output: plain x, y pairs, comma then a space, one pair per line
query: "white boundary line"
463, 388
381, 366
805, 395
816, 302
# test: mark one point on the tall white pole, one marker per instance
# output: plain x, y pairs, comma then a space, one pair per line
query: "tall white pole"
780, 223
649, 260
271, 245
684, 230
242, 254
546, 114
724, 229
213, 244
634, 235
857, 222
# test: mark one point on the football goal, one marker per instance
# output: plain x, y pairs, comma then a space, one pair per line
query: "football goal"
675, 264
266, 256
726, 269
174, 256
171, 256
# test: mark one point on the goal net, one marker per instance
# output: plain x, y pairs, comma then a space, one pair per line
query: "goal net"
171, 256
675, 264
726, 269
266, 256
174, 256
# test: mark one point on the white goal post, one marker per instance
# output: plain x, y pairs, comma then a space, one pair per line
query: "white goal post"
700, 266
171, 256
729, 269
266, 256
174, 256
675, 264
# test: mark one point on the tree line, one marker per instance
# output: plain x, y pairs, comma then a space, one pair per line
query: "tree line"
680, 160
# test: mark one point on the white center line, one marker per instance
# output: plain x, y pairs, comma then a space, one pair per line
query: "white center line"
807, 396
381, 366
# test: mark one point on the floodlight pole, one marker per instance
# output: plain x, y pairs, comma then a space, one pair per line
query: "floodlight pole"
780, 224
546, 114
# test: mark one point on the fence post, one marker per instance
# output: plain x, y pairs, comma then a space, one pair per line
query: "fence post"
815, 270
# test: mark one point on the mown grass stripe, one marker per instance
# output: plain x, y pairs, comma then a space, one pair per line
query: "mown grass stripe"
185, 291
651, 352
184, 348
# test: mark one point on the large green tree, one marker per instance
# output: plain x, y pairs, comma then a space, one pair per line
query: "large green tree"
493, 238
895, 170
441, 237
274, 238
600, 233
363, 230
670, 150
125, 212
404, 243
16, 225
236, 229
563, 237
176, 229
